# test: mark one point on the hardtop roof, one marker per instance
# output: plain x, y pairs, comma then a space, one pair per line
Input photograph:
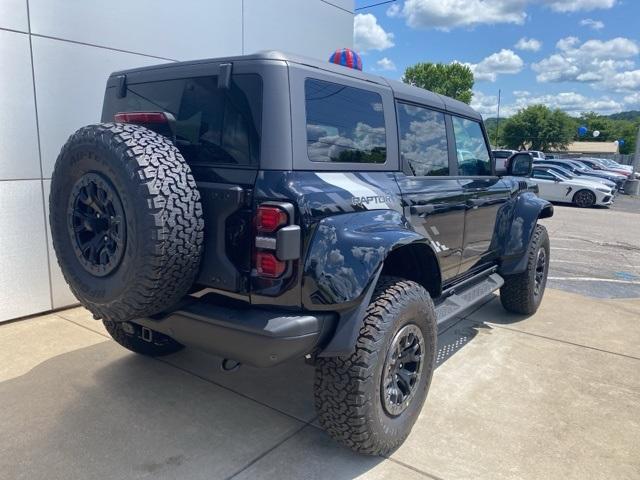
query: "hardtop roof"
401, 90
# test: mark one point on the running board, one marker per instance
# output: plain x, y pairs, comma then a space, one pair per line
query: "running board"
461, 300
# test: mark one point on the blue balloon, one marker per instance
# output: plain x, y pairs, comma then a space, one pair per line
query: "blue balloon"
621, 142
582, 131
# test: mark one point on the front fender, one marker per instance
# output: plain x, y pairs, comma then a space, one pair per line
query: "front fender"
345, 253
520, 224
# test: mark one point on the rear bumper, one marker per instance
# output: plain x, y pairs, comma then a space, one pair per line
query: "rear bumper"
254, 336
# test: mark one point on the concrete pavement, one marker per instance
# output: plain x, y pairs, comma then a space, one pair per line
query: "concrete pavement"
556, 395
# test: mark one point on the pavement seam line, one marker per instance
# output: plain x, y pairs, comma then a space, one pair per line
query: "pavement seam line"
414, 469
399, 462
224, 387
566, 342
269, 450
83, 326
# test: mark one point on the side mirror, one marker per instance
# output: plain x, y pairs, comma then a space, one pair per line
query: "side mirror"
520, 165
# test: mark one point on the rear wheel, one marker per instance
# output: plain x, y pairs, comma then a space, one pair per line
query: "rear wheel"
584, 199
522, 293
370, 400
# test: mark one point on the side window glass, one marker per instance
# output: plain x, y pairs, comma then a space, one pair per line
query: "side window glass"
423, 140
472, 151
344, 124
543, 175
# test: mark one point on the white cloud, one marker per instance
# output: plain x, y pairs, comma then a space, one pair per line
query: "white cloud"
530, 44
369, 35
591, 23
503, 62
571, 102
579, 5
448, 14
594, 61
487, 105
632, 99
386, 64
624, 81
393, 10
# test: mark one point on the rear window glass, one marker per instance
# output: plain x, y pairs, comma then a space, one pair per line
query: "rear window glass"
209, 125
344, 124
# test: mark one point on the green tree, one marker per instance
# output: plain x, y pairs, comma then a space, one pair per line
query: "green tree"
594, 122
453, 80
537, 127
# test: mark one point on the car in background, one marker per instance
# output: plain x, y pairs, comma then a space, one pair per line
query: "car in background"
537, 155
581, 169
555, 187
597, 164
618, 166
569, 174
501, 157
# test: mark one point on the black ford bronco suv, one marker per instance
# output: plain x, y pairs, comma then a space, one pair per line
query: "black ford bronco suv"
270, 207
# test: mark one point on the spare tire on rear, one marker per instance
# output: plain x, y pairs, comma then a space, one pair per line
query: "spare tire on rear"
126, 220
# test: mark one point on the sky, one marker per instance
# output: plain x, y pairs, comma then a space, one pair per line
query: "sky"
576, 55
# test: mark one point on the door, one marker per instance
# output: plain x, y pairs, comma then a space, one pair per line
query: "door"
549, 187
484, 192
432, 199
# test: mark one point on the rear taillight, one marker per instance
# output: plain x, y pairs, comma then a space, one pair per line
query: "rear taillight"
141, 117
267, 265
277, 239
270, 218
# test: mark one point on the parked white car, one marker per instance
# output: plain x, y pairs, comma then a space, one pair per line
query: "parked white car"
555, 187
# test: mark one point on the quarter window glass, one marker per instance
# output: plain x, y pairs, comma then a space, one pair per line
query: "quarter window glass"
472, 151
423, 140
344, 124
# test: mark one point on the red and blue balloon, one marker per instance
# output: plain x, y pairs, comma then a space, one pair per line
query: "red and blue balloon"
347, 58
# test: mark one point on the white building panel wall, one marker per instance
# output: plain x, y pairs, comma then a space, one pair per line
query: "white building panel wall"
179, 30
24, 276
312, 28
19, 141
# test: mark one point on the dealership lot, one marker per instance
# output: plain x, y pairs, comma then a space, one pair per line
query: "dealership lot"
555, 395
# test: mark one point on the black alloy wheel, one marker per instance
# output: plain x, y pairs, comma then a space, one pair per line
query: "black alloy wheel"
96, 224
402, 369
541, 272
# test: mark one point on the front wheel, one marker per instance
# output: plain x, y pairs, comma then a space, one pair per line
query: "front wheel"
522, 293
370, 400
584, 199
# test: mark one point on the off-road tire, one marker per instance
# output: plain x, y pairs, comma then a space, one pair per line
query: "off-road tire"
159, 345
584, 199
162, 217
518, 294
348, 393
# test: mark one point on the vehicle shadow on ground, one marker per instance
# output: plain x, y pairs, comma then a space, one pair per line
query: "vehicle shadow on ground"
103, 412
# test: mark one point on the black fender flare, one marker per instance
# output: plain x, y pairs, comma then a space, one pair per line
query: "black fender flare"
344, 261
520, 224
